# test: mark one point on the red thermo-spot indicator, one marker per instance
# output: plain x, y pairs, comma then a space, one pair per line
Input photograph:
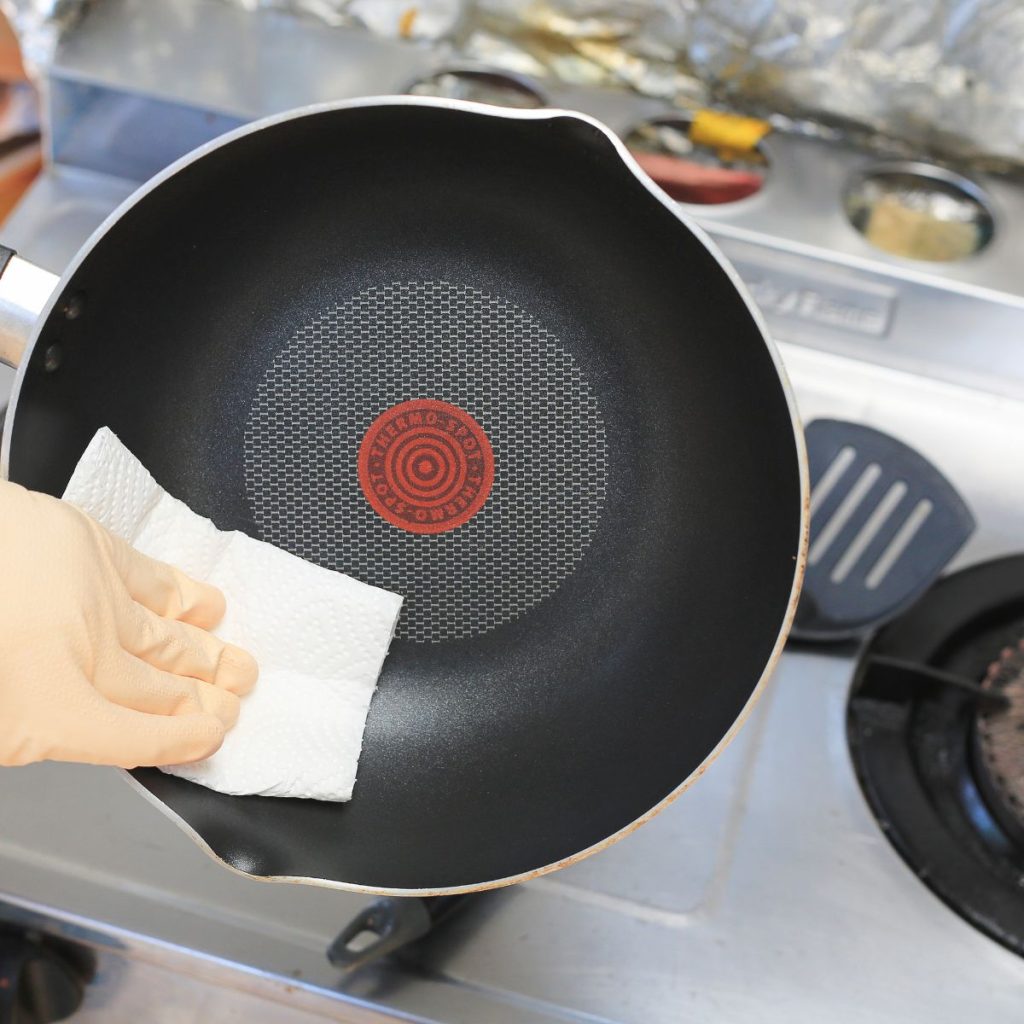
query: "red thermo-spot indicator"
426, 466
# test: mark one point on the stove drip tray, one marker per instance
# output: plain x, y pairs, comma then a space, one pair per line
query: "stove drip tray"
936, 728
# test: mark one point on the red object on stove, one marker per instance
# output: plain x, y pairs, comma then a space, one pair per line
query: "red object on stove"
690, 182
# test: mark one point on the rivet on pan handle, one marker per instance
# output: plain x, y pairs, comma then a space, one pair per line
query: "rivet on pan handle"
396, 921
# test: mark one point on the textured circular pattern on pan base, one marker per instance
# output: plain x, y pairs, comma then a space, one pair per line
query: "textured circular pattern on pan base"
395, 343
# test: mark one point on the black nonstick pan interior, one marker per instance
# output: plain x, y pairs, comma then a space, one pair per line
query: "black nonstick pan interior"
575, 650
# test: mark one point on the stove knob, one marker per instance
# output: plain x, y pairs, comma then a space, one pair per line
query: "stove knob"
41, 979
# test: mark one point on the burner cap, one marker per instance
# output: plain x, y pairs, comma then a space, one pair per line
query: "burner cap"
1000, 744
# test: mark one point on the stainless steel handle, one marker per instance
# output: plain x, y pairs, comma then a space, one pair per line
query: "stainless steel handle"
24, 291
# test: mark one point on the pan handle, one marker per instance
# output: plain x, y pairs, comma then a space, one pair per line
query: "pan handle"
394, 921
24, 291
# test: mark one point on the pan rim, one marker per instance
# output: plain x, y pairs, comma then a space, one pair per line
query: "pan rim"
534, 114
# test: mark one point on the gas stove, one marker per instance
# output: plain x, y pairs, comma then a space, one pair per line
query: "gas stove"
784, 885
935, 731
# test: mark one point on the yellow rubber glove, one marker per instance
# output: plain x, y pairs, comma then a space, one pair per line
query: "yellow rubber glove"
105, 656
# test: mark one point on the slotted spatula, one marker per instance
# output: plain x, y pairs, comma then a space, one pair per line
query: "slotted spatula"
884, 524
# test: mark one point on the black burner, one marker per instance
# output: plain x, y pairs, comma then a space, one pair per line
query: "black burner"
932, 687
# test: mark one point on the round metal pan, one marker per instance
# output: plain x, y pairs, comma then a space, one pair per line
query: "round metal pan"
577, 650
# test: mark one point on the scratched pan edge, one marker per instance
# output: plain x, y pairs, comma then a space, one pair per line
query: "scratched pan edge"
61, 428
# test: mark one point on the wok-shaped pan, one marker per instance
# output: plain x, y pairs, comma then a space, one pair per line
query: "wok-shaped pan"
583, 632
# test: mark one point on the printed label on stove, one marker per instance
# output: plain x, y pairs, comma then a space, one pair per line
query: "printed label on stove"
861, 309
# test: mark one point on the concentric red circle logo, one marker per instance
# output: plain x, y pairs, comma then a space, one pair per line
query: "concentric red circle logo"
426, 466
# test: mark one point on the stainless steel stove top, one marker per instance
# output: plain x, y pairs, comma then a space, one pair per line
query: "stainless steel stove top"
767, 892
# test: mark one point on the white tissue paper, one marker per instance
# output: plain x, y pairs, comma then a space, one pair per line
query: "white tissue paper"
320, 637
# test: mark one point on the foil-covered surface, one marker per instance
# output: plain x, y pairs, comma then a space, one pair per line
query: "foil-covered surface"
39, 25
939, 75
945, 76
942, 76
393, 19
635, 44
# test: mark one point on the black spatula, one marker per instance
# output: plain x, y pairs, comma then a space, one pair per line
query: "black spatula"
884, 524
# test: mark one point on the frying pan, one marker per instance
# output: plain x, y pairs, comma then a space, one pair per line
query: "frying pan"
585, 631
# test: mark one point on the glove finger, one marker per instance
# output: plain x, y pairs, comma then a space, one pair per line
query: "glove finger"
165, 589
111, 734
135, 684
186, 650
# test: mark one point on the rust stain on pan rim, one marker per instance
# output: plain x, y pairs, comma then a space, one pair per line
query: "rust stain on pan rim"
799, 557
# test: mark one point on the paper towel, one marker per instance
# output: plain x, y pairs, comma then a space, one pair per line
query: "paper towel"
320, 637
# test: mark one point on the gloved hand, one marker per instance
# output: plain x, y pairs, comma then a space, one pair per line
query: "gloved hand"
105, 656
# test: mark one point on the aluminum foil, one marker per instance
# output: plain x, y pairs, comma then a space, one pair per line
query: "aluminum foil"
923, 75
393, 19
942, 75
39, 24
636, 44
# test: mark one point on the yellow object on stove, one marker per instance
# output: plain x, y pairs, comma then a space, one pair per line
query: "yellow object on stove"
729, 134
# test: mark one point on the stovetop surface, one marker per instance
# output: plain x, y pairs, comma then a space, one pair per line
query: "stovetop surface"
767, 892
